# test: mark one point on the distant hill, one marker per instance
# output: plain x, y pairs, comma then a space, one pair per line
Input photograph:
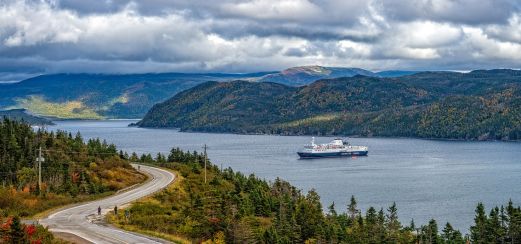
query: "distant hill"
395, 73
477, 105
303, 75
100, 96
97, 96
23, 115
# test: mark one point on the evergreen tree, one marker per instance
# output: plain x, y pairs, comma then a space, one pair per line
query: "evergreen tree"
412, 226
392, 224
351, 208
332, 210
494, 231
478, 230
432, 232
448, 232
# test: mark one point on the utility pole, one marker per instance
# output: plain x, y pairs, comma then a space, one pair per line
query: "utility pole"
40, 160
205, 159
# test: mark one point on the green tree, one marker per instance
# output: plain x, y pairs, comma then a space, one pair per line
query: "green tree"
352, 208
392, 223
478, 230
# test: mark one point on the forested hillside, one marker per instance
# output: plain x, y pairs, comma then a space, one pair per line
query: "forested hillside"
23, 115
483, 105
100, 96
73, 170
234, 208
97, 96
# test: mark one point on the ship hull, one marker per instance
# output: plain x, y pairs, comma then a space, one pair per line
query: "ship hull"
331, 154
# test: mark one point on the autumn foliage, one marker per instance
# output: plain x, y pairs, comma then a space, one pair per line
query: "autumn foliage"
74, 169
13, 231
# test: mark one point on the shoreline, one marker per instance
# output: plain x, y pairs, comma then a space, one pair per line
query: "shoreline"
134, 125
311, 135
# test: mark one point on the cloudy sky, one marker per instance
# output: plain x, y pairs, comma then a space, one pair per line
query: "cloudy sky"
132, 36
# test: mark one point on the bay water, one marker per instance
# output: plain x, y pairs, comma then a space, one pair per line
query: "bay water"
427, 179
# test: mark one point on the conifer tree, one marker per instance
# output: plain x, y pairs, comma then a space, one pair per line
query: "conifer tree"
478, 230
351, 208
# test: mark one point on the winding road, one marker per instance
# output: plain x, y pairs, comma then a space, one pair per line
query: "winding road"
83, 220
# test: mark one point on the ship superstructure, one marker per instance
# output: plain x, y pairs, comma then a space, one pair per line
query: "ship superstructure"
336, 148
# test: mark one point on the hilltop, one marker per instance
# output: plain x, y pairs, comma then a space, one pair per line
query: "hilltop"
477, 105
304, 75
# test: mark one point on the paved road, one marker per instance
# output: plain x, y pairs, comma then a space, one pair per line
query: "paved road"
81, 220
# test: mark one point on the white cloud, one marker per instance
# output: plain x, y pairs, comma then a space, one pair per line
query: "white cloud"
510, 32
37, 23
428, 34
274, 9
485, 47
252, 35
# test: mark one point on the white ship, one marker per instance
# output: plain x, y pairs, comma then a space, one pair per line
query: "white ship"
336, 148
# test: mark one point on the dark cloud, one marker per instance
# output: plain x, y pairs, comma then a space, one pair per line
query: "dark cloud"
241, 28
469, 12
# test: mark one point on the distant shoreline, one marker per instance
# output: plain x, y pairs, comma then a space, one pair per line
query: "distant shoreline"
309, 135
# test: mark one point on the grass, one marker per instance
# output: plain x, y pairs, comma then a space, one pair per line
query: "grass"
25, 204
311, 120
121, 99
65, 110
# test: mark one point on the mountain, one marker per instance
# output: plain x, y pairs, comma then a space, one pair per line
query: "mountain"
23, 115
303, 75
100, 96
97, 96
476, 105
395, 73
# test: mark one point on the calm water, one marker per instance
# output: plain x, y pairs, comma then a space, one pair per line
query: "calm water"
427, 179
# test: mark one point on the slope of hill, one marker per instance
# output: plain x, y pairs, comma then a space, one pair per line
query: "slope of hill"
96, 96
23, 115
475, 105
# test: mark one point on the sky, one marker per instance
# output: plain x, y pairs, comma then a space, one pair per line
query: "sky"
136, 36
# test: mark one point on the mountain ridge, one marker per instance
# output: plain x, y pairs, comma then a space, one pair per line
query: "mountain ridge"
303, 75
483, 105
98, 96
106, 96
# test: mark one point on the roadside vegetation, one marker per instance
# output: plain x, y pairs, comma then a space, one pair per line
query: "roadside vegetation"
13, 231
234, 208
73, 171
